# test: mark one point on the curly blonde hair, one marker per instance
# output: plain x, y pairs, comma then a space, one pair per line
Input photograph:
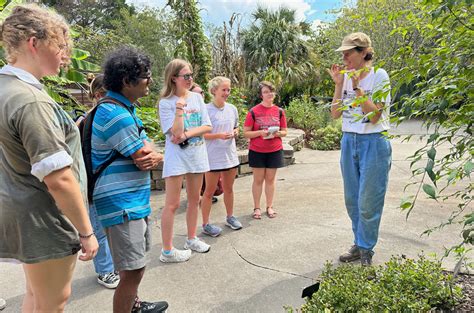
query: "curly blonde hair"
26, 21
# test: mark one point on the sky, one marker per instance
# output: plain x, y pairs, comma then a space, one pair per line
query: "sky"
218, 11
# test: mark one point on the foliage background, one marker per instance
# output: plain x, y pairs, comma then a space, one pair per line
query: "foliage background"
425, 45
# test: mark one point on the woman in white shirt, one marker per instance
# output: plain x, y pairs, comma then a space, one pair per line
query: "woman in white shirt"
362, 98
222, 154
184, 121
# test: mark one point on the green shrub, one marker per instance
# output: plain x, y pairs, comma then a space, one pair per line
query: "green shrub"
237, 97
150, 121
304, 114
327, 138
400, 285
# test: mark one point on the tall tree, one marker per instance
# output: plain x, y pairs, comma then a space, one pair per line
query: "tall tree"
275, 49
151, 30
227, 54
96, 14
193, 44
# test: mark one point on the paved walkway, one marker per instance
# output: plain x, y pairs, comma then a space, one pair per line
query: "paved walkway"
264, 266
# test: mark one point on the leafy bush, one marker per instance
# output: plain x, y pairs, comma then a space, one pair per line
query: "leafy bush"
149, 118
237, 97
327, 138
302, 113
401, 285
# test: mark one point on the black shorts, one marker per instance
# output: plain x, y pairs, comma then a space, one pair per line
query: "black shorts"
225, 169
266, 159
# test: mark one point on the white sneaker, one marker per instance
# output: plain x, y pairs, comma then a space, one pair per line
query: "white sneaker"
3, 304
197, 245
176, 256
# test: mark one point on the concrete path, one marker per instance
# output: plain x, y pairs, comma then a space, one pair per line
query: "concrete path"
264, 266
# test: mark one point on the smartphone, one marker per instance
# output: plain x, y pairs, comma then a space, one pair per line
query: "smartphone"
184, 144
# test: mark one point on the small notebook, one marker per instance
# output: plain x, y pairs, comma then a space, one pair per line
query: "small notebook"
271, 131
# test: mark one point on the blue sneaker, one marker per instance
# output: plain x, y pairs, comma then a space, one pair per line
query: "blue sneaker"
233, 223
211, 230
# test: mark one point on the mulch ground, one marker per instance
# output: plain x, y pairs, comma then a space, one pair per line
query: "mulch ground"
467, 283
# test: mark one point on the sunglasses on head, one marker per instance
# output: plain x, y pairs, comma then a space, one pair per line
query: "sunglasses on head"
186, 76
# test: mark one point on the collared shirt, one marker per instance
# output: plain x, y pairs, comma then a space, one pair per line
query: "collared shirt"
21, 74
122, 189
50, 163
36, 138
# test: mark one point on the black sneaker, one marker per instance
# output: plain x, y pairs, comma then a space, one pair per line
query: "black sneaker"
366, 257
351, 255
149, 307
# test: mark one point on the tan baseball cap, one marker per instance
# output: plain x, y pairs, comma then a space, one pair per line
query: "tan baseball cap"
355, 40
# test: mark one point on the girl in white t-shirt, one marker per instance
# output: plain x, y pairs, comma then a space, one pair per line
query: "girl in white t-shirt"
362, 98
184, 121
222, 154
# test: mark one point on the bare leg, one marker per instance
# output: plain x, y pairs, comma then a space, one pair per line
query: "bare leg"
193, 188
172, 194
228, 178
28, 301
50, 283
124, 296
211, 184
270, 177
258, 178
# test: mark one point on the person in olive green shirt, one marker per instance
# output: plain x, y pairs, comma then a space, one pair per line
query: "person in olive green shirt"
43, 215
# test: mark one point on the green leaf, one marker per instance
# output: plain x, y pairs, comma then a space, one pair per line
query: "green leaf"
53, 94
79, 54
468, 168
6, 9
452, 175
469, 219
75, 76
466, 234
84, 66
2, 4
429, 190
429, 171
406, 203
432, 153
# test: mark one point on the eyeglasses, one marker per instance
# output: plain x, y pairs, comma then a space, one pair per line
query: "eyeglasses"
186, 76
147, 77
61, 48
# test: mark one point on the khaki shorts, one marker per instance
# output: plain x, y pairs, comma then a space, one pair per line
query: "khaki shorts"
128, 243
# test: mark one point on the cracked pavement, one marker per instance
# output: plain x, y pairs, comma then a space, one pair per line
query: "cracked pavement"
266, 265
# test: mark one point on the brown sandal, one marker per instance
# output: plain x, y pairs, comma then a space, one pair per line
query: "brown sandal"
273, 214
257, 214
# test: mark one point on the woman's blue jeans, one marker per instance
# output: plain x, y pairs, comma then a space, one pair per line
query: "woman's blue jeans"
103, 262
365, 164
